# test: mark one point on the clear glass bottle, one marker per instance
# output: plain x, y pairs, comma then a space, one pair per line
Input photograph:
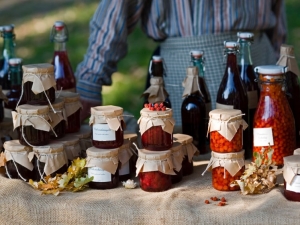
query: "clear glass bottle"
64, 75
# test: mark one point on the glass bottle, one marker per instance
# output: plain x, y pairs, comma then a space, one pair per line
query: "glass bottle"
8, 51
193, 110
64, 75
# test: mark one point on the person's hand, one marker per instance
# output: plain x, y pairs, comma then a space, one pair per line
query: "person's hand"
86, 108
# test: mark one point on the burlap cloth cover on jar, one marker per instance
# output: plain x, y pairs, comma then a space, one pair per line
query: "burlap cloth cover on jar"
156, 91
71, 146
125, 153
177, 155
287, 59
85, 141
291, 169
72, 101
188, 148
59, 114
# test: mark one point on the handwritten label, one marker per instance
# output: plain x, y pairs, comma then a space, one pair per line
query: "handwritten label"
99, 174
295, 185
102, 132
263, 137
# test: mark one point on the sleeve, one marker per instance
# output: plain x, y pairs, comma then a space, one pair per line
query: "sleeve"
109, 27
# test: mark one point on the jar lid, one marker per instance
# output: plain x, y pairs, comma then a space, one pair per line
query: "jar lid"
183, 138
156, 114
228, 156
107, 110
58, 104
48, 149
84, 132
197, 53
156, 58
14, 61
15, 146
94, 152
38, 68
270, 69
32, 109
130, 136
245, 35
154, 155
69, 96
297, 151
68, 140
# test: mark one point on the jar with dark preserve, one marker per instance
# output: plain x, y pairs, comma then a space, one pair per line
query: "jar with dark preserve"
2, 98
226, 130
132, 138
72, 108
189, 150
103, 165
177, 158
156, 137
18, 160
107, 126
226, 167
71, 146
49, 160
58, 118
39, 84
85, 138
291, 175
33, 124
274, 124
193, 110
125, 155
155, 170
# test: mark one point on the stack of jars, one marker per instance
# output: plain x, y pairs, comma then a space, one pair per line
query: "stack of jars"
226, 140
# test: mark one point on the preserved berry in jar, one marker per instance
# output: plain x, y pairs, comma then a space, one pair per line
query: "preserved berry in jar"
125, 154
291, 175
177, 158
107, 126
274, 123
58, 118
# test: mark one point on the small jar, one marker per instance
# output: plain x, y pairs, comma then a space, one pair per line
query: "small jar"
156, 129
155, 170
107, 128
71, 146
49, 160
85, 140
58, 119
177, 158
18, 160
39, 84
72, 108
189, 150
2, 98
125, 155
103, 165
291, 175
226, 167
226, 130
33, 124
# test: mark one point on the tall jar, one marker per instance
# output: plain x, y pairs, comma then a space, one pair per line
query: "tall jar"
156, 129
71, 146
33, 124
85, 140
59, 119
291, 175
125, 155
226, 130
154, 170
226, 167
107, 126
177, 158
39, 84
274, 124
103, 165
18, 160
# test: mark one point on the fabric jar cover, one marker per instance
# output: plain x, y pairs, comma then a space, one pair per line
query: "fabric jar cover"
291, 168
226, 122
125, 153
59, 114
191, 83
106, 159
188, 148
72, 101
156, 91
177, 155
297, 151
71, 146
287, 59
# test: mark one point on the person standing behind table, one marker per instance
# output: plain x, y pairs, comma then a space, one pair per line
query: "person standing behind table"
179, 26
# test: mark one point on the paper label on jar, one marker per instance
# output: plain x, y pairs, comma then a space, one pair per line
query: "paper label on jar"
263, 137
252, 99
124, 169
102, 132
295, 185
222, 106
99, 174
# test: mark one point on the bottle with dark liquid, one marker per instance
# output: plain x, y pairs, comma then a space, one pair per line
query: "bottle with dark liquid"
64, 75
248, 77
193, 110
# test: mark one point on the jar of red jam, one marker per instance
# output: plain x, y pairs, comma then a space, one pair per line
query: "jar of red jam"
177, 158
49, 160
103, 165
85, 140
274, 124
155, 170
189, 150
71, 146
156, 129
226, 167
58, 117
33, 124
291, 175
18, 160
72, 108
226, 130
107, 126
39, 84
125, 154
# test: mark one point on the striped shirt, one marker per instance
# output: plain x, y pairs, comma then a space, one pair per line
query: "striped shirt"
160, 19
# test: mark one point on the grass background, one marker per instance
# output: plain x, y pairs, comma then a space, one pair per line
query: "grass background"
33, 20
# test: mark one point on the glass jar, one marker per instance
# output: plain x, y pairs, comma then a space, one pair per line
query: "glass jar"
177, 158
107, 126
58, 118
71, 146
18, 160
32, 123
85, 140
125, 155
72, 108
274, 124
226, 130
226, 167
39, 84
103, 165
49, 160
291, 175
155, 170
156, 129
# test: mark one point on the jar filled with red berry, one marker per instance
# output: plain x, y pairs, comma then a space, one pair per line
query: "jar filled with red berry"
58, 117
39, 84
107, 126
18, 160
125, 154
85, 140
226, 168
33, 124
103, 165
71, 146
291, 175
177, 158
156, 129
155, 170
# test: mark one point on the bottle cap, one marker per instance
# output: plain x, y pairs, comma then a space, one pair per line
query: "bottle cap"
196, 52
156, 58
245, 35
59, 25
59, 32
14, 61
231, 44
270, 69
8, 28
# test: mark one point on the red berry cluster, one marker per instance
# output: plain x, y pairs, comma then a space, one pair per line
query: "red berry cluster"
221, 203
155, 106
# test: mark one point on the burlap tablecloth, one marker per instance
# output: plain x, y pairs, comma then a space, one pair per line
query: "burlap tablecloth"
183, 204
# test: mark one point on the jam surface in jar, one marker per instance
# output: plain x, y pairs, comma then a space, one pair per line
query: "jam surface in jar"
33, 136
15, 171
156, 139
38, 99
155, 181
